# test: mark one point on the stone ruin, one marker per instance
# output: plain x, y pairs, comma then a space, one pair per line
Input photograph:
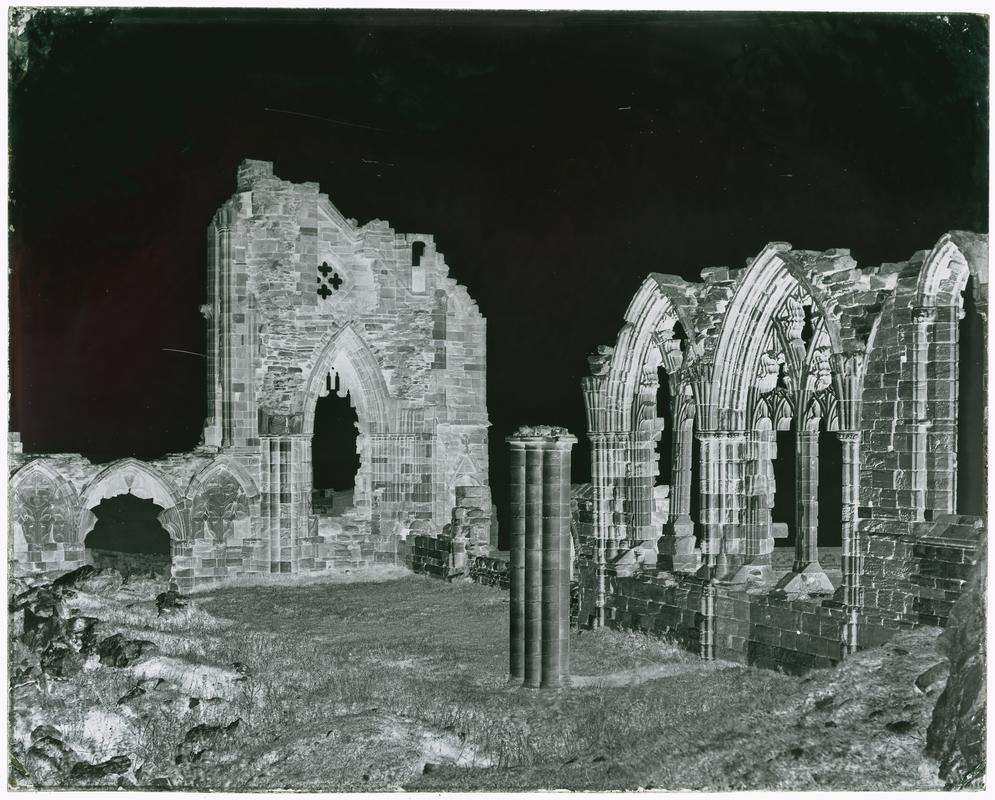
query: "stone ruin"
798, 339
301, 301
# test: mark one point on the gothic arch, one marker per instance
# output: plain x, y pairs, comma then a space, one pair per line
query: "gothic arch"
761, 296
937, 306
348, 355
131, 476
219, 498
944, 273
43, 507
226, 465
650, 319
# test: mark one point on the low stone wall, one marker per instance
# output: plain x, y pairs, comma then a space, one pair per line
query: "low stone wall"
945, 552
430, 555
491, 570
913, 573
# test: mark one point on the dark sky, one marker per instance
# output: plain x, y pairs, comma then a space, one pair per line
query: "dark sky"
557, 158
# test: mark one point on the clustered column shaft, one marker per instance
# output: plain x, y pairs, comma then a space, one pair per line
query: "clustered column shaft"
807, 481
851, 555
540, 556
721, 500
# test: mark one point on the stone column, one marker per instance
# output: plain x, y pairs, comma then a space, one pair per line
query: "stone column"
677, 543
533, 562
807, 495
599, 498
706, 630
722, 501
923, 318
544, 596
516, 577
807, 575
286, 500
942, 412
758, 495
850, 519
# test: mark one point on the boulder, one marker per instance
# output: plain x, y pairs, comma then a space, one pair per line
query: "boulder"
41, 768
40, 604
135, 693
92, 580
43, 632
48, 757
209, 743
933, 678
60, 660
956, 734
103, 774
80, 633
170, 603
45, 731
70, 580
116, 651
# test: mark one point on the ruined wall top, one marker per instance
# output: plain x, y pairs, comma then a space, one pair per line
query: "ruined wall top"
288, 273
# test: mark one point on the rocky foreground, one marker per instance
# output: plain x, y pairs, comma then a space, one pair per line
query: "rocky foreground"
399, 681
64, 658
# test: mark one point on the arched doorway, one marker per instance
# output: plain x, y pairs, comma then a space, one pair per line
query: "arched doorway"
128, 537
971, 364
132, 506
335, 458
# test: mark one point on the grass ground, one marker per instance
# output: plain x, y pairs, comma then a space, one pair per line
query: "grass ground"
357, 686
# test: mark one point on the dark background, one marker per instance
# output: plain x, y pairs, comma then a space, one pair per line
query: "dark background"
557, 158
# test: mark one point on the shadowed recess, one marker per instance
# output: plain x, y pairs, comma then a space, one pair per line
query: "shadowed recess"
128, 524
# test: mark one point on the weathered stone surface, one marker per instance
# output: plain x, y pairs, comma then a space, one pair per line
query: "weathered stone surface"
169, 603
61, 660
933, 678
208, 743
105, 773
868, 353
956, 734
90, 579
117, 651
301, 302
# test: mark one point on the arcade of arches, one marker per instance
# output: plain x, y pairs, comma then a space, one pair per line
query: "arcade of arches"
302, 304
801, 356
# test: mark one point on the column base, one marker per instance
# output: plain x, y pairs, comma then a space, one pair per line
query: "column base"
752, 573
677, 552
625, 564
806, 579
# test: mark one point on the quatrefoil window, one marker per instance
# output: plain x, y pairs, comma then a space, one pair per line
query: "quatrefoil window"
324, 281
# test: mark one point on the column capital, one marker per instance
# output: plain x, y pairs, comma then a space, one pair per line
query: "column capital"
848, 436
715, 435
923, 313
542, 435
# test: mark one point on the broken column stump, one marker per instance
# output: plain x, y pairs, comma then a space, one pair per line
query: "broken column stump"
540, 556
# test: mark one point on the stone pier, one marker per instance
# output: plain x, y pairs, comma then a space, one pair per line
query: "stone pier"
539, 630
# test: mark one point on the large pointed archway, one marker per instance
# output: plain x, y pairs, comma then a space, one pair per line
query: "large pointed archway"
347, 367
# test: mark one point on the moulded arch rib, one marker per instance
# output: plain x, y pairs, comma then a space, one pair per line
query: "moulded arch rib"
41, 467
348, 354
762, 290
131, 476
223, 464
657, 304
944, 274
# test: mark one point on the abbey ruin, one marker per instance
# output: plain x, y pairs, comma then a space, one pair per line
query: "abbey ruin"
301, 302
797, 340
702, 378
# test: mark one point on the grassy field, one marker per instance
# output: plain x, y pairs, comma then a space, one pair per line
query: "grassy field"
359, 686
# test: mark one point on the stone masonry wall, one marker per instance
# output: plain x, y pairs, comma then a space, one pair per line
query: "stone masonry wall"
301, 301
802, 339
